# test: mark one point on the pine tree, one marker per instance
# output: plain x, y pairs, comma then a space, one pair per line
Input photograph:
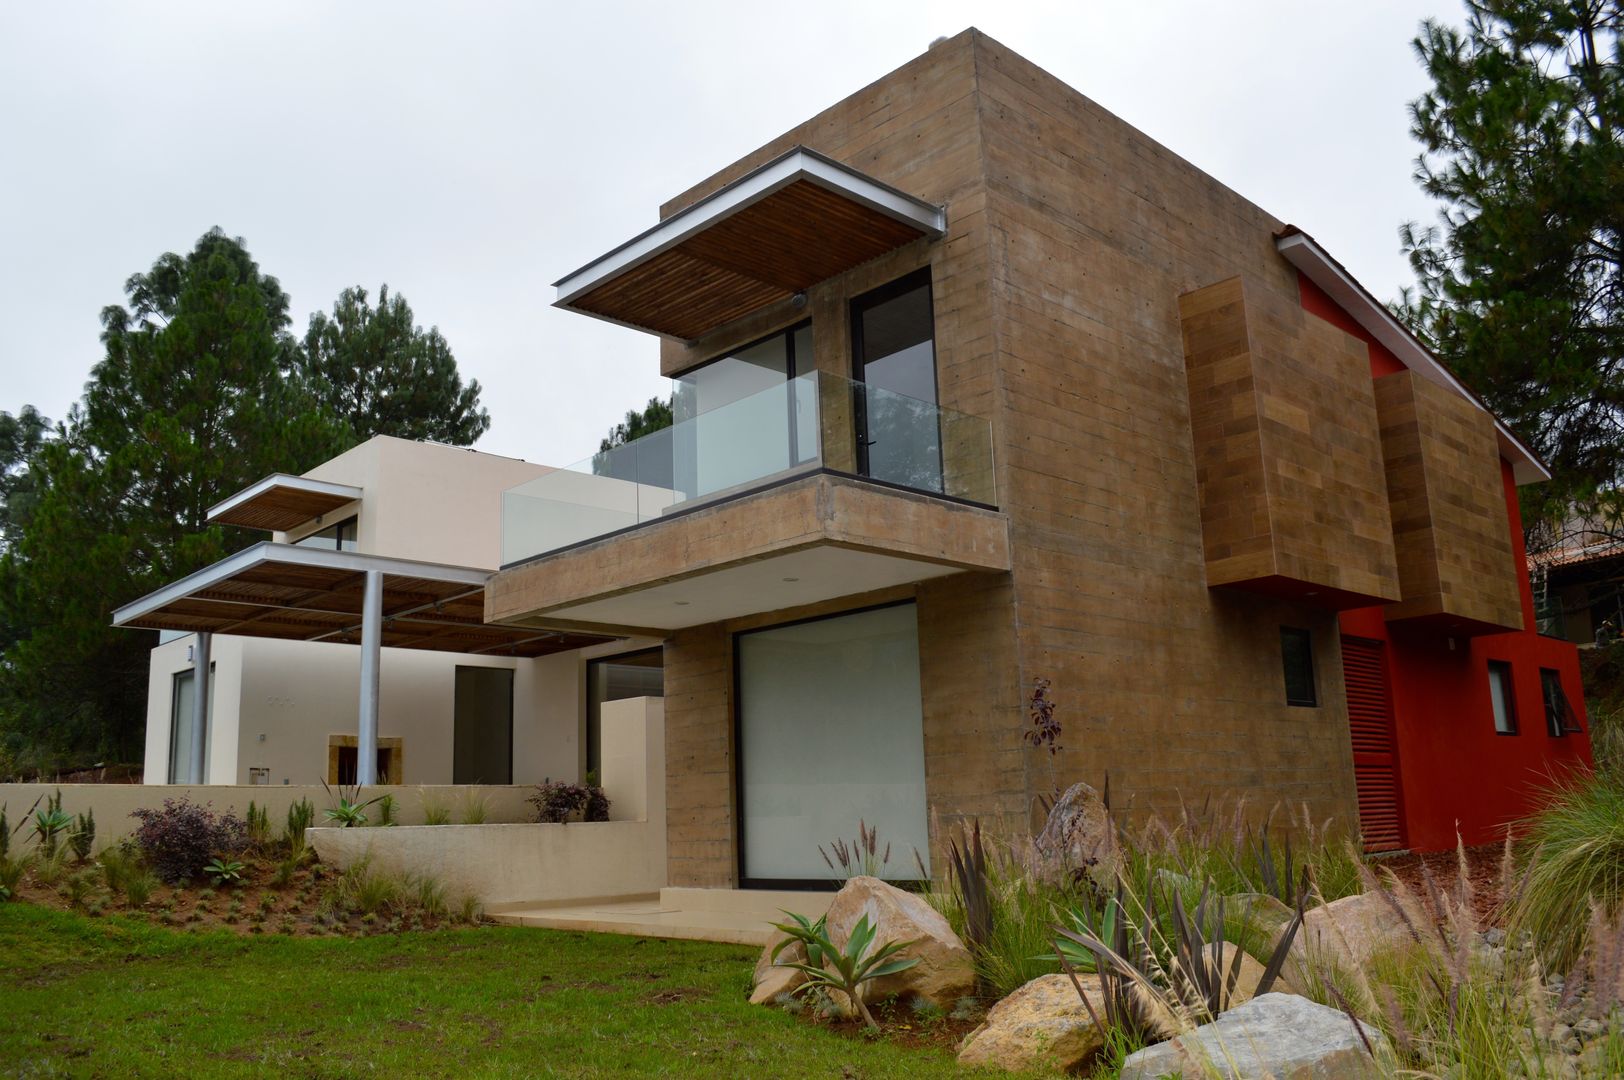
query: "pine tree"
1520, 286
384, 375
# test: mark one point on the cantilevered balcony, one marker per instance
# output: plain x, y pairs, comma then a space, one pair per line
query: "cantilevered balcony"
816, 488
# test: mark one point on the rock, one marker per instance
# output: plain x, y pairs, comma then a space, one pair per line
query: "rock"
1260, 909
1043, 1026
1338, 939
944, 973
1494, 936
772, 981
1078, 837
1281, 1036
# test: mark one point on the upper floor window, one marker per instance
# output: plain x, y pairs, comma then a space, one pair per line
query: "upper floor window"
740, 418
1297, 656
1502, 697
894, 359
339, 536
1559, 715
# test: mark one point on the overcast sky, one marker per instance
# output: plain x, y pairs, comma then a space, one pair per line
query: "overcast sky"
470, 154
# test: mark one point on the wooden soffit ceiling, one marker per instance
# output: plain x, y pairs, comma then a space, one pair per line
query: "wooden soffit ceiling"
310, 594
800, 219
282, 502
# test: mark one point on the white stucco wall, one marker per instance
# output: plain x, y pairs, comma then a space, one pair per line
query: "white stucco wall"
296, 694
423, 501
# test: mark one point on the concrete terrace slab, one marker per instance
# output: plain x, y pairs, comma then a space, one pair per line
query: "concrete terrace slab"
740, 917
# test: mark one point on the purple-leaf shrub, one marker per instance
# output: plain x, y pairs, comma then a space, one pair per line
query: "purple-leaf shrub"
557, 802
180, 839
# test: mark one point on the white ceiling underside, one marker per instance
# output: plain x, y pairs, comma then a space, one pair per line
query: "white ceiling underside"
818, 573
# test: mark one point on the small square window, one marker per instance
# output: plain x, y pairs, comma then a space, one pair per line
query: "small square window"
1559, 716
1500, 693
1297, 653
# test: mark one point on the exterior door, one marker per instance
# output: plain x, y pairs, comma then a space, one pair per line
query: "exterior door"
1375, 750
482, 727
898, 425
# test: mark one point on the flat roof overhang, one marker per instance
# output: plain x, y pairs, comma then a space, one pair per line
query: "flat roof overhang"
800, 219
817, 538
312, 594
282, 502
1306, 254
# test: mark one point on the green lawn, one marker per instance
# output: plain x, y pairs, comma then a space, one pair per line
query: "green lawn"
113, 997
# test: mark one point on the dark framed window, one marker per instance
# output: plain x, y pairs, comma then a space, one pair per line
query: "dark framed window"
1297, 657
898, 424
339, 536
1503, 697
1560, 719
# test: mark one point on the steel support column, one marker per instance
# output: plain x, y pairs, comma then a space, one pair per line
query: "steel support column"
197, 768
366, 749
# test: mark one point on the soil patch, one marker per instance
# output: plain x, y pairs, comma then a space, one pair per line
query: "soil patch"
1482, 870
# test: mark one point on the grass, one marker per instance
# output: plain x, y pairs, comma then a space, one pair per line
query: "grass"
1576, 846
115, 997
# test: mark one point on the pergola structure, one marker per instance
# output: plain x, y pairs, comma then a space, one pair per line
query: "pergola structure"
314, 594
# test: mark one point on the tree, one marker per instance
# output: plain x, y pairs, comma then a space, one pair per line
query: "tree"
1520, 289
656, 416
21, 438
384, 375
188, 405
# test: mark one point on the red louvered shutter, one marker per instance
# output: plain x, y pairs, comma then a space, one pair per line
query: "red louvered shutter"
1375, 757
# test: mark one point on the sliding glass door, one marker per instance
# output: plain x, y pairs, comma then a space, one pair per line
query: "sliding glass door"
831, 733
899, 437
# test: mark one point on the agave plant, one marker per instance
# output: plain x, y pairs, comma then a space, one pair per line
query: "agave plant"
50, 822
348, 811
846, 970
1188, 969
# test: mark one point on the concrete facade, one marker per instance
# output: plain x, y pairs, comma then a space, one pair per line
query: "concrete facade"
1071, 239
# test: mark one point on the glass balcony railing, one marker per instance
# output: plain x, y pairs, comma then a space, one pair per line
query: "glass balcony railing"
813, 422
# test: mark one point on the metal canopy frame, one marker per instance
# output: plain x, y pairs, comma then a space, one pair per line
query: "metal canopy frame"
297, 593
322, 494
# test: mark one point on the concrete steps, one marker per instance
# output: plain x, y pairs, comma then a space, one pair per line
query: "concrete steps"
736, 916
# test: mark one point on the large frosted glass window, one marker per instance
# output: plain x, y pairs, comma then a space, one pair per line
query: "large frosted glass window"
830, 733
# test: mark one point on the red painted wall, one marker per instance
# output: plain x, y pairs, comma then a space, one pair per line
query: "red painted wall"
1455, 771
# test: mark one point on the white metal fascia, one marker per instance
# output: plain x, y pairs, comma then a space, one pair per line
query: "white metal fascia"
795, 165
293, 555
283, 480
1305, 254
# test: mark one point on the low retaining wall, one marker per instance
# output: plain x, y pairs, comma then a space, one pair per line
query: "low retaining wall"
112, 803
511, 864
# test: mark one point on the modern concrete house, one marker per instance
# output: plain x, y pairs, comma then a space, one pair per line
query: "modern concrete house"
454, 706
977, 385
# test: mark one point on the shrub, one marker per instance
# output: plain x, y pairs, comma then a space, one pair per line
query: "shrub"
180, 839
435, 809
475, 808
557, 802
79, 888
846, 970
118, 862
138, 887
50, 823
83, 836
259, 825
1575, 859
386, 810
11, 872
301, 815
222, 870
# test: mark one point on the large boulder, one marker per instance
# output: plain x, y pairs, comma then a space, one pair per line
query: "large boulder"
771, 981
1337, 940
944, 973
1280, 1036
1043, 1026
1077, 838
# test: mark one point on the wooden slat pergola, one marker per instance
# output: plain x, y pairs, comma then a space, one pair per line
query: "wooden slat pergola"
314, 594
799, 219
